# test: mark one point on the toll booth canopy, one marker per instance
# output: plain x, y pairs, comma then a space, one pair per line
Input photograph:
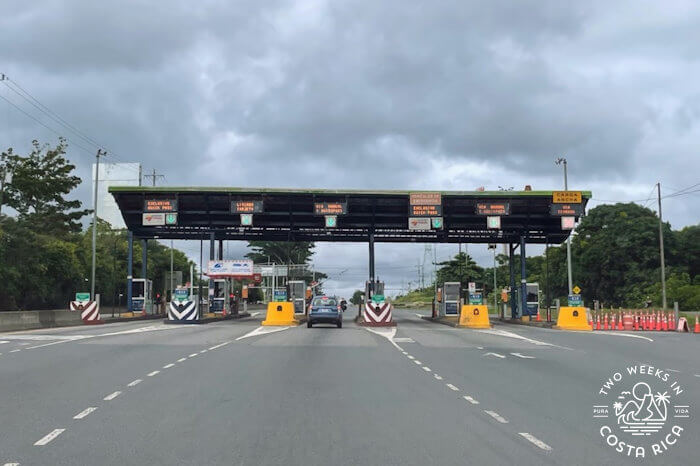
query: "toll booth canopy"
349, 215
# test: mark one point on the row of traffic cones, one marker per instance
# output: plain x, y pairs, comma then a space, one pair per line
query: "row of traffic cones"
636, 320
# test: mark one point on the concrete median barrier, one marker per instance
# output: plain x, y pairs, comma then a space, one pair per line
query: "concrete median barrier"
27, 320
573, 318
281, 314
474, 316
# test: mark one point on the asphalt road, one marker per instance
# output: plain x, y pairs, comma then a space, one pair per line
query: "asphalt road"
234, 393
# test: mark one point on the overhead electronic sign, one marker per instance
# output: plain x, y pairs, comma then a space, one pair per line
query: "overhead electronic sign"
425, 211
425, 198
425, 205
153, 220
160, 205
567, 197
493, 208
247, 207
566, 210
330, 208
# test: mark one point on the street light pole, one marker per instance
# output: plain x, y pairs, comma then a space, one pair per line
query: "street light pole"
94, 222
560, 161
661, 249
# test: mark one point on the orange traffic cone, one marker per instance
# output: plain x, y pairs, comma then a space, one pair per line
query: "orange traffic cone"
658, 322
645, 318
697, 325
636, 321
605, 326
620, 316
538, 316
665, 323
672, 324
597, 322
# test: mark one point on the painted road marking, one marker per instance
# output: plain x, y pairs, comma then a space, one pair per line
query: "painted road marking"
536, 441
255, 314
479, 347
41, 337
134, 383
410, 357
44, 440
403, 352
151, 374
11, 464
502, 356
417, 362
203, 351
85, 412
15, 350
262, 331
3, 341
168, 366
496, 416
507, 334
696, 375
427, 369
471, 400
219, 345
439, 377
618, 334
404, 340
522, 356
112, 396
672, 370
182, 359
193, 355
452, 387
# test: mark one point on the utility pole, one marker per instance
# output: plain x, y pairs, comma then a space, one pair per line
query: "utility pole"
171, 270
153, 177
562, 161
94, 222
5, 178
661, 249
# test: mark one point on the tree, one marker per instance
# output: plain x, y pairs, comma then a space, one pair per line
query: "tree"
461, 268
357, 297
40, 183
281, 252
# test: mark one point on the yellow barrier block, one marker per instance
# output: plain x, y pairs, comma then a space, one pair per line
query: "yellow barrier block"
281, 314
127, 314
209, 315
572, 318
474, 316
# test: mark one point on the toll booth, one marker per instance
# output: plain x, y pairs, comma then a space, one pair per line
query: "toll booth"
142, 295
450, 304
533, 299
297, 295
220, 299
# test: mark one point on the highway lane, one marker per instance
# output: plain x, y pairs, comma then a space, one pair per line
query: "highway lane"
317, 396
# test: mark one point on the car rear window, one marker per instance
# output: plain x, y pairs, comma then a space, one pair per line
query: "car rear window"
324, 302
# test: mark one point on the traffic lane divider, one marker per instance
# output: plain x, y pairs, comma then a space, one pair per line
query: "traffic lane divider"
280, 314
573, 318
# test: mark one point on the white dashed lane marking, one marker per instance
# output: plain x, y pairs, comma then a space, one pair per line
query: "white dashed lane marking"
410, 357
496, 416
471, 400
193, 355
439, 377
168, 366
15, 350
417, 362
151, 374
182, 359
536, 441
49, 437
452, 387
203, 351
522, 356
426, 369
112, 396
134, 383
85, 412
11, 464
502, 356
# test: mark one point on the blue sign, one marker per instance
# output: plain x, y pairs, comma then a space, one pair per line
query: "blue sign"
575, 300
280, 295
476, 298
181, 294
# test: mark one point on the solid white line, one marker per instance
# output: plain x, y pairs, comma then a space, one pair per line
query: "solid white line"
672, 370
255, 314
426, 369
44, 440
496, 416
168, 366
11, 464
219, 345
452, 387
261, 331
696, 375
193, 355
134, 383
522, 356
439, 377
182, 359
203, 351
417, 362
15, 350
471, 400
618, 334
536, 441
151, 374
3, 341
502, 356
85, 412
112, 396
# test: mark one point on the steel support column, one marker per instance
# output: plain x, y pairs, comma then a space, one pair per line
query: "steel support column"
129, 269
523, 278
144, 260
221, 249
371, 262
511, 269
212, 256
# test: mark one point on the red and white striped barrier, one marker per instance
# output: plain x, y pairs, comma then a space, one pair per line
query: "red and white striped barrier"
377, 315
89, 311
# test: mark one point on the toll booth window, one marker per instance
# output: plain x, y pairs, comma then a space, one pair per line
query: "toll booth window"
137, 289
532, 297
378, 288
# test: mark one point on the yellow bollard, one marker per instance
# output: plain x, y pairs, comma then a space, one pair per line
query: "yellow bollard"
573, 318
474, 316
281, 314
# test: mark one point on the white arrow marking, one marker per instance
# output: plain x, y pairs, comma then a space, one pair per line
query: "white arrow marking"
522, 356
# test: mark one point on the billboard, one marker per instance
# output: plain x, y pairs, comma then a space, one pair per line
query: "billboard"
227, 268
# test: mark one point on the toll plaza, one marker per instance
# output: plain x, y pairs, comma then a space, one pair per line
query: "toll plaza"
515, 218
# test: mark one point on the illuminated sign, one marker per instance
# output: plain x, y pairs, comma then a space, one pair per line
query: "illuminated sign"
493, 222
419, 223
331, 221
493, 208
568, 223
330, 208
566, 197
160, 205
247, 220
425, 199
425, 211
566, 210
153, 220
246, 207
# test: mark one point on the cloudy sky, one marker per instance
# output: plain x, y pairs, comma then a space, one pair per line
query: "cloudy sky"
368, 94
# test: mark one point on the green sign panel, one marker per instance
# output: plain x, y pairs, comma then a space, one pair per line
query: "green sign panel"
171, 219
476, 298
82, 296
181, 294
436, 223
575, 300
247, 220
331, 221
378, 298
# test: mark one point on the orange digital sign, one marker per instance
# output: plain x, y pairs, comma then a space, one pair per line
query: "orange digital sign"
425, 211
246, 207
425, 199
160, 205
330, 208
566, 210
492, 208
567, 197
